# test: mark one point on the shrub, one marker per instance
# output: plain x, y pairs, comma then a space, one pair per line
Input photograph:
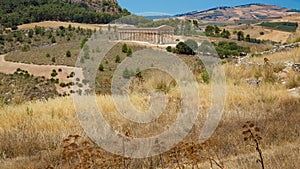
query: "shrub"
53, 59
129, 52
183, 48
117, 59
53, 40
124, 48
26, 48
62, 84
101, 67
68, 54
48, 55
169, 49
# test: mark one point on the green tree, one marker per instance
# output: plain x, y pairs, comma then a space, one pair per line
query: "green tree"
83, 42
30, 33
225, 34
117, 59
101, 67
169, 49
183, 48
124, 48
129, 52
68, 54
53, 40
209, 30
217, 29
240, 35
53, 59
247, 39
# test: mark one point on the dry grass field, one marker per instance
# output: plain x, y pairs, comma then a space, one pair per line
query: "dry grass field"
32, 134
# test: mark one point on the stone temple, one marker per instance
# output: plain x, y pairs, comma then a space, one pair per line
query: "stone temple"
161, 35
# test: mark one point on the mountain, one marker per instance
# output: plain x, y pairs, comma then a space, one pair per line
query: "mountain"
17, 12
252, 11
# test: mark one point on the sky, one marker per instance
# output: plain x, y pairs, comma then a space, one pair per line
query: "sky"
173, 7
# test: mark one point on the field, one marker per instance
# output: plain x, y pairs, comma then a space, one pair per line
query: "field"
283, 26
40, 127
32, 133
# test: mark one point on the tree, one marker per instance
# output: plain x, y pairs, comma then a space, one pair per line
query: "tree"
68, 54
117, 59
101, 67
124, 48
247, 39
129, 52
169, 49
53, 40
209, 30
217, 29
225, 34
240, 35
183, 48
30, 33
83, 42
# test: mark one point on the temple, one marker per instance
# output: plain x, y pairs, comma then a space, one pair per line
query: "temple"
161, 35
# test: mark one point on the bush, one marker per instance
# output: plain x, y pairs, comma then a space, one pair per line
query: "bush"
53, 59
169, 49
129, 52
101, 67
53, 40
68, 54
26, 48
117, 59
124, 48
62, 84
48, 55
183, 48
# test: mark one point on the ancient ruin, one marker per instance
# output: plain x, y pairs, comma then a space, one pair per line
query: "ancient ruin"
161, 35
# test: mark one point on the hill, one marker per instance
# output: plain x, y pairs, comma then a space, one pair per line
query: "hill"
81, 11
242, 12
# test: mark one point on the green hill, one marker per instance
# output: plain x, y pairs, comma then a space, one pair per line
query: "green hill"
16, 12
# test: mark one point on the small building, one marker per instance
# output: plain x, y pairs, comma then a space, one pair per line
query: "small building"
161, 35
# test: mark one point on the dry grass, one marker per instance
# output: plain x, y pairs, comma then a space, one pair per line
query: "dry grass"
280, 57
32, 134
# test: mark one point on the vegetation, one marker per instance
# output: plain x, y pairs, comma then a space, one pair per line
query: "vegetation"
215, 31
41, 10
226, 49
101, 67
282, 26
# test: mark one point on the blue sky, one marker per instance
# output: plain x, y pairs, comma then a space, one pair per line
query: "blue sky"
182, 6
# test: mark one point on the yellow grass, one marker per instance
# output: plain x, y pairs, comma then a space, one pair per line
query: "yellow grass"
31, 134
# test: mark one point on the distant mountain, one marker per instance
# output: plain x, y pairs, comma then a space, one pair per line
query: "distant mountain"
16, 12
243, 12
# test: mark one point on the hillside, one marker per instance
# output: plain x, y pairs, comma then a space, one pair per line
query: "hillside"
243, 12
81, 11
